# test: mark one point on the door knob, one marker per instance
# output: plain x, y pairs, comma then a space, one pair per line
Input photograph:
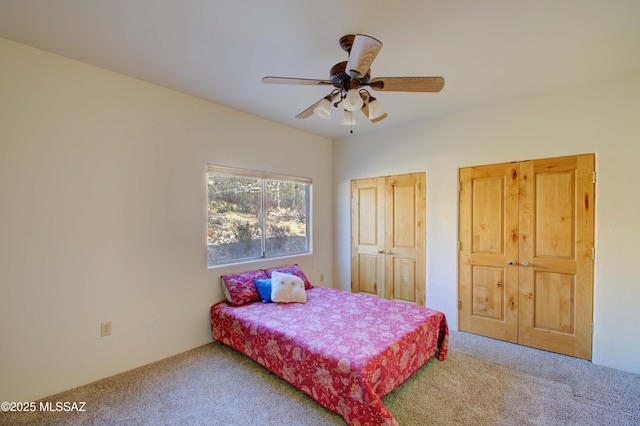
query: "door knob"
525, 263
513, 262
380, 251
389, 252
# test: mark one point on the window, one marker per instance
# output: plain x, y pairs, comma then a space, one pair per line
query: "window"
254, 215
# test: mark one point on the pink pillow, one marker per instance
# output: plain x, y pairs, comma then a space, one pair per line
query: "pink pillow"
292, 269
239, 289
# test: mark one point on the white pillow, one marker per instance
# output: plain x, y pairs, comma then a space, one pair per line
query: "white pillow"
287, 288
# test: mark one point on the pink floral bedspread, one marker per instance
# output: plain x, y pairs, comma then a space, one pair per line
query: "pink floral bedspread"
345, 350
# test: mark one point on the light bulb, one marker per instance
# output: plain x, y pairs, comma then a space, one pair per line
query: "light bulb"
347, 119
323, 110
353, 101
375, 109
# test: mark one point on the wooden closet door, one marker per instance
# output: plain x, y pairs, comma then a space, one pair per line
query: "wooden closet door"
367, 236
405, 252
388, 254
488, 284
526, 253
556, 254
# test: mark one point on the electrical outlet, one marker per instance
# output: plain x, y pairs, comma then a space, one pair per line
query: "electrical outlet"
321, 277
105, 329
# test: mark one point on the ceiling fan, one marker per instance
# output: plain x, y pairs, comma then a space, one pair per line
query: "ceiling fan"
352, 78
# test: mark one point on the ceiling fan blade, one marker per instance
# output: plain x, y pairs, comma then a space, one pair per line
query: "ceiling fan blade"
363, 51
299, 81
309, 111
407, 84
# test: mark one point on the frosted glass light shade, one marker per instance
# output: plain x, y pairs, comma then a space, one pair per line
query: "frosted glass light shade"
353, 101
375, 109
347, 118
323, 110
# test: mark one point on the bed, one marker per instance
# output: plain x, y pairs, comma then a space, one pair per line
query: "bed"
345, 350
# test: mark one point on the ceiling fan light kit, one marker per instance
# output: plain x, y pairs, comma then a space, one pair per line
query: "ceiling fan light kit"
352, 101
375, 109
351, 79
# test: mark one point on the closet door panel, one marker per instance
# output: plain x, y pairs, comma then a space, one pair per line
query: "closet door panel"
556, 241
555, 229
405, 245
488, 289
404, 279
367, 236
487, 293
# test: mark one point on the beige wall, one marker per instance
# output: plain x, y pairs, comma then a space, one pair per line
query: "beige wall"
601, 118
103, 217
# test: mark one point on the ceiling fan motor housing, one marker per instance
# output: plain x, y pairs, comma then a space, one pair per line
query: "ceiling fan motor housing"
342, 80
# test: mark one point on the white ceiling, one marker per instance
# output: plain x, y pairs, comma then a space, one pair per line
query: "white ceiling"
219, 50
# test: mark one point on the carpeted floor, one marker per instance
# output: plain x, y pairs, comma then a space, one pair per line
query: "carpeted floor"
482, 382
